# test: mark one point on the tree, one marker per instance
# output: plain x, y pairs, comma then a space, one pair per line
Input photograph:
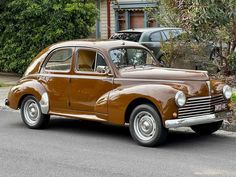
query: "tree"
28, 26
208, 20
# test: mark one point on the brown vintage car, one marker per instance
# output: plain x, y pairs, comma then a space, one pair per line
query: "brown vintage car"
118, 82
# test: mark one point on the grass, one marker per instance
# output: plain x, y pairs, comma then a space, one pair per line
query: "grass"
234, 97
5, 85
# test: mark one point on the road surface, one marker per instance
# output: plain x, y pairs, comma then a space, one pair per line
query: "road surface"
81, 148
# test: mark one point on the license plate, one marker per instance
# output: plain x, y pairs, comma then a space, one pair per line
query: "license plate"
220, 107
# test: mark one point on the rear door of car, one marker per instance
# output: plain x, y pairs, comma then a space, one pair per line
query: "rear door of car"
55, 74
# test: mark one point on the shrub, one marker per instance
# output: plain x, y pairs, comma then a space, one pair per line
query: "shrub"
234, 97
28, 26
232, 63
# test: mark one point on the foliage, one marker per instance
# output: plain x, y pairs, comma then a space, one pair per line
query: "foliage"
211, 21
28, 26
232, 63
180, 52
234, 97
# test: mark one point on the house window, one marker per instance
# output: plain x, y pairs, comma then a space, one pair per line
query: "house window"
121, 20
136, 19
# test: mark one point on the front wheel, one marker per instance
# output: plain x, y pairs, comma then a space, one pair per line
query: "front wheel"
207, 129
32, 115
146, 127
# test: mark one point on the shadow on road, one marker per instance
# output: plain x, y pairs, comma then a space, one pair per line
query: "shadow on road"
88, 127
176, 138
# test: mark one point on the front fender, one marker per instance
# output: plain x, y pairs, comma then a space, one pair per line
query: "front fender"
162, 96
28, 87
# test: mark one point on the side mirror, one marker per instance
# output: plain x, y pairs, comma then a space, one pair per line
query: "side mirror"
103, 70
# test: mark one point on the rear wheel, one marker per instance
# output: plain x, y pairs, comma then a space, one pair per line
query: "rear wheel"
146, 126
32, 115
207, 129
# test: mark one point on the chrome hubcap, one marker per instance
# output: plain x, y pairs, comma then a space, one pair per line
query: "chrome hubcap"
144, 125
31, 112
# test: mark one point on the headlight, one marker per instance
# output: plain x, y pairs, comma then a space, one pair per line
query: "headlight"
180, 99
227, 91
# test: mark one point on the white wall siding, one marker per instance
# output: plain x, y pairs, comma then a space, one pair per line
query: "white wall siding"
113, 23
103, 19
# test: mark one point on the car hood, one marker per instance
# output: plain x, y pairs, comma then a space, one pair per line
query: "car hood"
157, 73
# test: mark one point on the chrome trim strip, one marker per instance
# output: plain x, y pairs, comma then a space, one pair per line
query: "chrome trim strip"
196, 107
195, 115
193, 111
44, 103
187, 122
79, 116
204, 97
197, 98
148, 80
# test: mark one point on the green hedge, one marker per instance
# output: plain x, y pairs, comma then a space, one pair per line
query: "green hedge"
28, 26
234, 97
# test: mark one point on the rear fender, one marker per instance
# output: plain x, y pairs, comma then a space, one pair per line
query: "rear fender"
28, 87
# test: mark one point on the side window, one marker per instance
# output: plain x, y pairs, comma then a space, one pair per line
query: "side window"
156, 37
60, 60
167, 33
91, 61
163, 36
170, 34
101, 65
86, 60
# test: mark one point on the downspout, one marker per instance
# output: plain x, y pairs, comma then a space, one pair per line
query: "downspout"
98, 21
108, 19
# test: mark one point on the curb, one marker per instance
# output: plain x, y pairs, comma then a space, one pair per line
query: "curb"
226, 126
10, 74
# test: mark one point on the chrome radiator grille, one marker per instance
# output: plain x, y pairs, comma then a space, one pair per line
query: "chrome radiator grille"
200, 106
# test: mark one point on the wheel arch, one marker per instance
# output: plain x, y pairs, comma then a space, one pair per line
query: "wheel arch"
123, 99
28, 88
134, 103
22, 98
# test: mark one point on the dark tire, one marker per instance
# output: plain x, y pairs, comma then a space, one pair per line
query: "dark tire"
207, 129
32, 115
146, 127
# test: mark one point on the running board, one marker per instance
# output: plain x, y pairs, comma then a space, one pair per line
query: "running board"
78, 116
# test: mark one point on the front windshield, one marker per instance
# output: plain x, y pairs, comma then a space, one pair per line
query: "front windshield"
125, 57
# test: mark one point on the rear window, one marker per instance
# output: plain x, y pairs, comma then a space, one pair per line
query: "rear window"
127, 36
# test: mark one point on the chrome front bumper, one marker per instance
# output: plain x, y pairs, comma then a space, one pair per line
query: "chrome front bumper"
187, 122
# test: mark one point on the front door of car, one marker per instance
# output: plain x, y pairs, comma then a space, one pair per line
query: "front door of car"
54, 76
91, 83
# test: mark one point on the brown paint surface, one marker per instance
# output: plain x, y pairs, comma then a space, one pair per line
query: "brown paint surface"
106, 97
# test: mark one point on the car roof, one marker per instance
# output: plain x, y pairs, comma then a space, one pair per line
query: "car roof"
141, 30
102, 45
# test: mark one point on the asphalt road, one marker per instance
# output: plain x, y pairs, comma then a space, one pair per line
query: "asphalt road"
80, 148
